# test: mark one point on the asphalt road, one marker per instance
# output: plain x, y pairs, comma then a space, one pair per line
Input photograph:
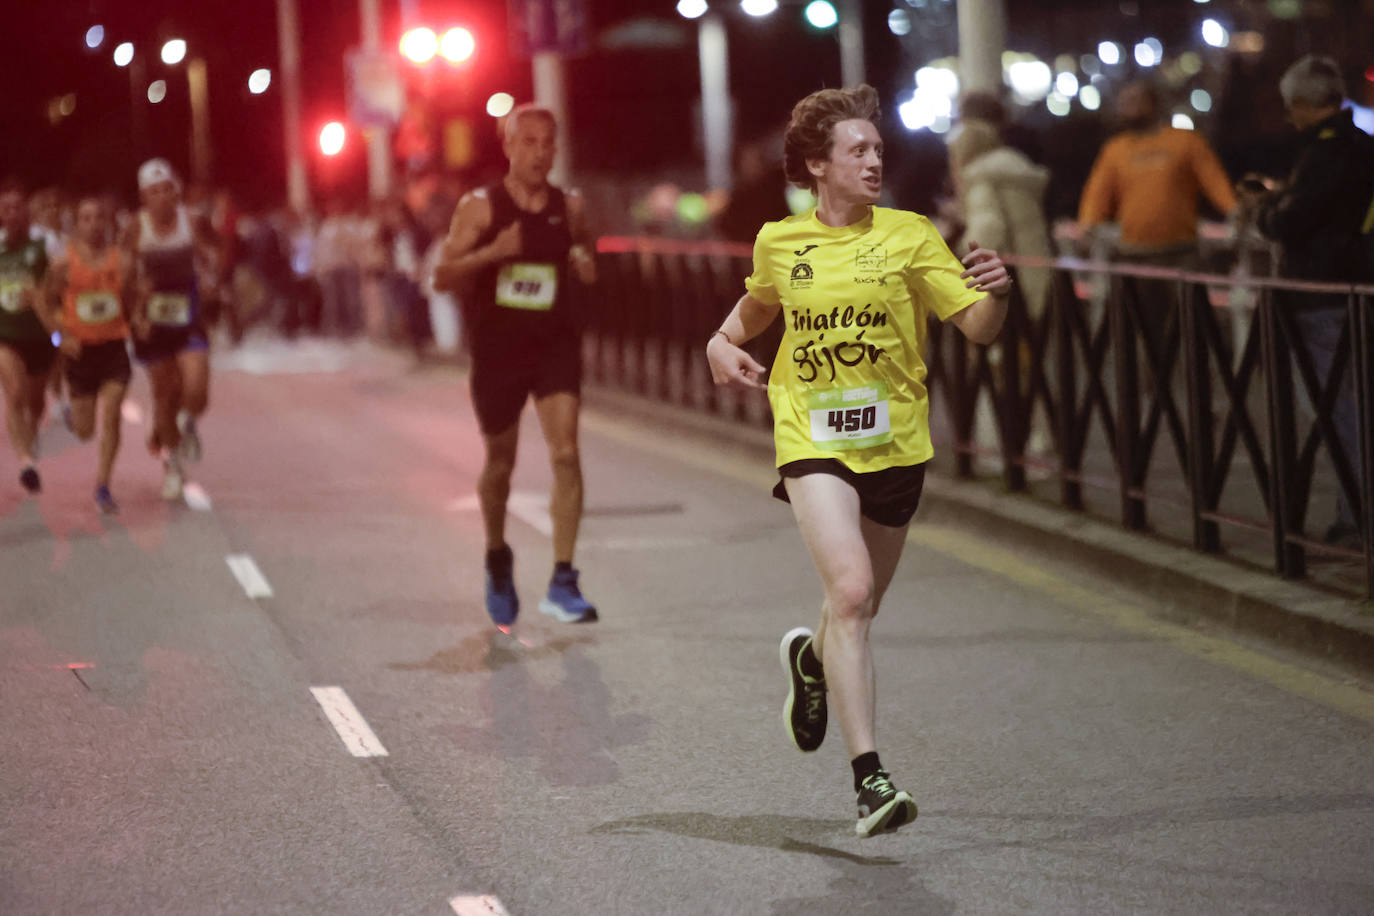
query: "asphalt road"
163, 750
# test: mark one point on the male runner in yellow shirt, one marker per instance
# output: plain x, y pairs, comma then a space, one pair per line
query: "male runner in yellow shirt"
855, 284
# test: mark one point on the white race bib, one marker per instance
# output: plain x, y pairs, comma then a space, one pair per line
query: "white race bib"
97, 307
12, 292
850, 418
527, 286
171, 310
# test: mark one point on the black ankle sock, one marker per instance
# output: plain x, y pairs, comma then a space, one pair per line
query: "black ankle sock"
808, 662
500, 560
560, 566
865, 765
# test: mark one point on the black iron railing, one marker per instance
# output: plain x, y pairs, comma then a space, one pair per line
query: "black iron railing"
1149, 384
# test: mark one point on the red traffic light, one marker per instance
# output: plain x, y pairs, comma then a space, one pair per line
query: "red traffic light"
332, 137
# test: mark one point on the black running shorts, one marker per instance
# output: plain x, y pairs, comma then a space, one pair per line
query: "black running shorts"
504, 377
164, 343
37, 353
98, 363
888, 497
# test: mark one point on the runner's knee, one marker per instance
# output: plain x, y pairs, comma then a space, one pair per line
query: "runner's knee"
565, 458
851, 598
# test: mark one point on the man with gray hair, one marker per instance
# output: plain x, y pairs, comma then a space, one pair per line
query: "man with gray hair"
1318, 217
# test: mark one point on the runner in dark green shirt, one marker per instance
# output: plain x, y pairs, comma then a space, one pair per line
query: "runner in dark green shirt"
26, 348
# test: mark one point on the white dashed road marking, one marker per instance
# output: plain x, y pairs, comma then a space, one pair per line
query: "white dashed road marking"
353, 729
486, 905
250, 577
196, 497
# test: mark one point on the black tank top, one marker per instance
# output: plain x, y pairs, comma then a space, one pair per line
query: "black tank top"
528, 294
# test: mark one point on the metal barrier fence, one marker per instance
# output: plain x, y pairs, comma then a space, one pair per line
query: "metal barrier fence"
1126, 383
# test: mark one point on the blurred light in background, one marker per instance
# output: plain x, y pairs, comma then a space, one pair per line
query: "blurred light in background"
457, 45
259, 80
1058, 104
1190, 62
123, 54
67, 105
157, 91
332, 137
1215, 34
500, 104
938, 79
1030, 79
1182, 122
899, 22
691, 9
1109, 52
1146, 55
926, 108
1066, 84
693, 209
173, 51
95, 36
758, 7
419, 45
1201, 100
1090, 98
821, 14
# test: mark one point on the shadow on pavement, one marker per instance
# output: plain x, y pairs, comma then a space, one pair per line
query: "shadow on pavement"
864, 884
488, 651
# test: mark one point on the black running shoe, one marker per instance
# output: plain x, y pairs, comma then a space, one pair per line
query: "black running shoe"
804, 714
29, 479
882, 807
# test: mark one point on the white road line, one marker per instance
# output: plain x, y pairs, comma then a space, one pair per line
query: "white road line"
196, 497
353, 729
250, 577
486, 905
530, 508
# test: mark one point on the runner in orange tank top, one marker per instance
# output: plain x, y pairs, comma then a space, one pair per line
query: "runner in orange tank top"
91, 290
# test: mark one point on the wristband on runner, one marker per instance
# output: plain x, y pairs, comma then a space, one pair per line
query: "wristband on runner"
722, 334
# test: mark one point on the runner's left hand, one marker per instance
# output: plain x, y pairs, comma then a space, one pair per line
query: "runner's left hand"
583, 263
986, 272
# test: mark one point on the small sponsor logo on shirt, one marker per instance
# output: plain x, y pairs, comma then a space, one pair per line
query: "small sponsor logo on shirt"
880, 280
802, 275
871, 258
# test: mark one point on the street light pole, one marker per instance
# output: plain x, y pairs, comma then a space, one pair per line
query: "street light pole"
202, 154
982, 39
289, 43
550, 91
717, 123
378, 136
851, 36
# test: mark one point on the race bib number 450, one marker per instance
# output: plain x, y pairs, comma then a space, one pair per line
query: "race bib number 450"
527, 286
850, 418
169, 309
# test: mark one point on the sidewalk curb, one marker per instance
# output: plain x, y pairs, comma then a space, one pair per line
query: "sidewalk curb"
1192, 587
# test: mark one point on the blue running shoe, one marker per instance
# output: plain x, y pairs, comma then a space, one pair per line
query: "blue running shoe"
564, 602
105, 501
502, 603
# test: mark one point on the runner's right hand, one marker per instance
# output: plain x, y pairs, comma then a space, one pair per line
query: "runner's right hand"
733, 367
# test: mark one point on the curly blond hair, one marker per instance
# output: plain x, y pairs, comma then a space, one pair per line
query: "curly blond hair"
811, 131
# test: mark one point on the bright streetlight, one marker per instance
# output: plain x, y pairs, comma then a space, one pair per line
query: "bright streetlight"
758, 7
500, 104
1215, 34
174, 51
821, 14
457, 45
157, 91
259, 80
691, 9
95, 36
1109, 52
123, 54
332, 138
420, 45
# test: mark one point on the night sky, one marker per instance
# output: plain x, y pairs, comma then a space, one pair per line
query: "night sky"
634, 111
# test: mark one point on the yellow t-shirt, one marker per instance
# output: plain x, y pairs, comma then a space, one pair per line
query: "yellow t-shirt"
849, 378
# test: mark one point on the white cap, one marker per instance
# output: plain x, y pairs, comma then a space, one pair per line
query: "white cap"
156, 171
